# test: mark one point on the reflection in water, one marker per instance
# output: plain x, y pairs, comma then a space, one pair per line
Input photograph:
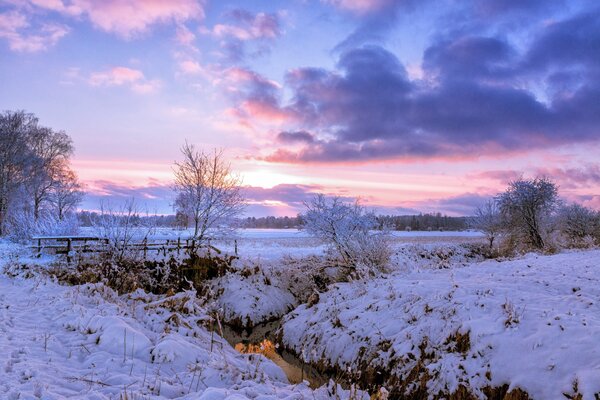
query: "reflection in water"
260, 341
267, 348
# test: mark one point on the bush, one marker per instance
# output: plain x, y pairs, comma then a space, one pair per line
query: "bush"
526, 209
577, 224
349, 230
23, 225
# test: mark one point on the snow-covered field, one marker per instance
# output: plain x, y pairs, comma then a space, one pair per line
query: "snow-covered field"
440, 321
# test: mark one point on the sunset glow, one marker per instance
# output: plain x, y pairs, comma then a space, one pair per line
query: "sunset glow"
368, 99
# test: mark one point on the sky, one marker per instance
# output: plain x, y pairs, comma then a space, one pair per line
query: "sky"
409, 105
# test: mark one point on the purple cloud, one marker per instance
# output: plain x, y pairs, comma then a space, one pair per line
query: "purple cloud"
479, 96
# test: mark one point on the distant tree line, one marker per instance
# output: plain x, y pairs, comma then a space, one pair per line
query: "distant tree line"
272, 222
39, 191
423, 222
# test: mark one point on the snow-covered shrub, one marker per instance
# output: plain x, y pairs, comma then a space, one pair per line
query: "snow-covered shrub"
23, 225
526, 208
577, 224
349, 229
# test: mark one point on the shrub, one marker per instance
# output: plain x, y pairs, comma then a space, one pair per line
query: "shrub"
349, 230
577, 224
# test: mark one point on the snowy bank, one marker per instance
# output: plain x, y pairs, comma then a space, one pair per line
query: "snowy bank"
532, 323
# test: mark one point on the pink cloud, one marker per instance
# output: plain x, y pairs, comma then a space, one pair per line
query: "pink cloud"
126, 18
184, 36
16, 29
124, 76
191, 67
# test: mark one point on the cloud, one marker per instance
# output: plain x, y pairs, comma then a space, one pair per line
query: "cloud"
479, 96
585, 176
460, 205
191, 67
154, 197
124, 76
291, 194
256, 97
16, 29
126, 18
247, 34
295, 137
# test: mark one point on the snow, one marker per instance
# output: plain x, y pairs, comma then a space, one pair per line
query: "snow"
250, 300
88, 342
533, 323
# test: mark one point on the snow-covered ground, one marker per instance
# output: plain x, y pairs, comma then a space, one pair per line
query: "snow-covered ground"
441, 320
532, 323
86, 342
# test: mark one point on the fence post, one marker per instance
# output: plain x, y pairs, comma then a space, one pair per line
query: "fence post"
178, 244
145, 247
69, 249
235, 247
39, 247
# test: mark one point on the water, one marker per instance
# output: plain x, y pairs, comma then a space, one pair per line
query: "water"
261, 340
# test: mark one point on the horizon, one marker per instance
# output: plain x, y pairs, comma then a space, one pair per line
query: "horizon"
410, 106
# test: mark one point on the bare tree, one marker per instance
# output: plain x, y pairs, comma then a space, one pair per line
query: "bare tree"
34, 166
488, 220
66, 193
51, 150
526, 207
207, 192
349, 229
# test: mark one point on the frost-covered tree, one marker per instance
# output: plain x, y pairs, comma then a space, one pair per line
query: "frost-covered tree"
207, 192
15, 159
488, 220
348, 228
526, 207
34, 161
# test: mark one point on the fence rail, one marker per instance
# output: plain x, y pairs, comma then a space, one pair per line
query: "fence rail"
68, 245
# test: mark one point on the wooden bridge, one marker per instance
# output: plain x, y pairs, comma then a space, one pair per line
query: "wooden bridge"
68, 245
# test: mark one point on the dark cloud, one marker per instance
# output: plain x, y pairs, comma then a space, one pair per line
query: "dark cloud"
468, 57
493, 8
570, 43
295, 137
479, 96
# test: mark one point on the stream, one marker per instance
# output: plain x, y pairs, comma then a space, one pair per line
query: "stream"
261, 340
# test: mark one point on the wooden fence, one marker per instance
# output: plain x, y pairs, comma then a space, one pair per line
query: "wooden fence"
68, 245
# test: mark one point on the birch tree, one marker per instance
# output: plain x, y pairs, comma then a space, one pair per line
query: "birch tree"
207, 192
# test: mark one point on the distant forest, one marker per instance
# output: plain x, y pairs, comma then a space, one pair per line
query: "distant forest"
421, 222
